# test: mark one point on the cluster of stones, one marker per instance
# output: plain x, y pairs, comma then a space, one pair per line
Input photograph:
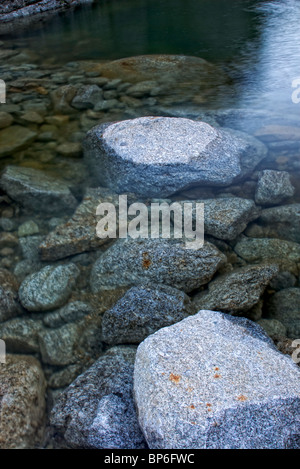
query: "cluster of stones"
80, 306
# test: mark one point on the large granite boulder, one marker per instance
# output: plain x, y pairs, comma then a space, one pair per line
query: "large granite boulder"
214, 381
158, 156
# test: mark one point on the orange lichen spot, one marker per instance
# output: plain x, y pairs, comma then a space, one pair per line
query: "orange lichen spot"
217, 375
163, 374
242, 398
208, 404
146, 261
193, 423
209, 409
192, 406
174, 378
189, 389
217, 368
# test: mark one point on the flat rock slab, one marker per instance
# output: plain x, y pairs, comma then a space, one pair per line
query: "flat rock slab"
22, 402
15, 138
132, 262
216, 381
97, 409
158, 156
237, 291
37, 191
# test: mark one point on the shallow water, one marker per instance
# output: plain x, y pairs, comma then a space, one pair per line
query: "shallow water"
253, 47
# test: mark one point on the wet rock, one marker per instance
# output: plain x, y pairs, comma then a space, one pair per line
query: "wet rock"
70, 149
236, 291
15, 138
6, 119
273, 327
31, 117
49, 288
256, 249
214, 381
70, 313
79, 233
37, 191
8, 240
22, 403
273, 187
142, 311
226, 218
284, 306
87, 97
62, 98
28, 228
158, 156
6, 224
283, 280
64, 377
57, 346
278, 222
26, 267
9, 302
135, 261
97, 409
274, 133
21, 335
29, 247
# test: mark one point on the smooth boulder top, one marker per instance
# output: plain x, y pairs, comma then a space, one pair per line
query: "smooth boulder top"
158, 156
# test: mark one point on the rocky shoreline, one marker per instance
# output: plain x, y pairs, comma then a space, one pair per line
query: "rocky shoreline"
101, 322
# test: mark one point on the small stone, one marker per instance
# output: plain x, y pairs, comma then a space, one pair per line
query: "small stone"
70, 149
87, 97
49, 288
57, 346
8, 240
6, 120
273, 187
6, 224
28, 228
284, 306
31, 117
15, 138
273, 327
70, 313
106, 105
9, 301
256, 249
22, 403
21, 335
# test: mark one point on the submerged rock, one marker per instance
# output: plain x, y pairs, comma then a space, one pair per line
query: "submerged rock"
158, 156
258, 249
214, 381
97, 409
37, 191
22, 402
142, 311
21, 335
48, 288
135, 261
15, 138
9, 302
236, 291
284, 306
273, 187
79, 233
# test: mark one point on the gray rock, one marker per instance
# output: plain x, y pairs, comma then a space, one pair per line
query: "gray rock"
28, 228
142, 311
6, 119
284, 306
273, 327
131, 262
214, 381
64, 377
237, 291
278, 222
273, 187
256, 249
226, 218
158, 156
37, 191
283, 280
26, 267
7, 224
70, 313
15, 138
22, 403
61, 99
21, 335
58, 346
87, 96
97, 409
9, 302
78, 234
49, 288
